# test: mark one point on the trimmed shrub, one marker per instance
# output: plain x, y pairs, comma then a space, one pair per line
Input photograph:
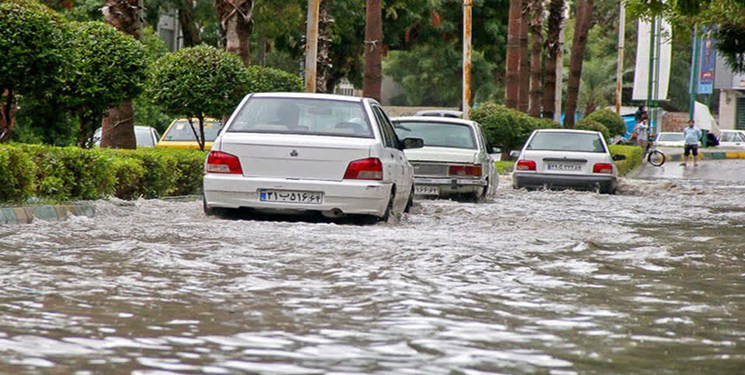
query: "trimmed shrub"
507, 127
130, 177
264, 79
612, 120
587, 124
633, 157
17, 173
190, 166
65, 173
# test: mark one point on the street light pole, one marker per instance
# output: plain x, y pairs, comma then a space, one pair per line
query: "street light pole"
466, 100
311, 45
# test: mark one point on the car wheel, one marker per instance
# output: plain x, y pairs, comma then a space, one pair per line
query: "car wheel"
480, 196
389, 209
410, 202
209, 211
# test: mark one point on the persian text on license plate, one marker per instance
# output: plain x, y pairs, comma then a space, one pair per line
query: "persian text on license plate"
564, 167
426, 190
287, 196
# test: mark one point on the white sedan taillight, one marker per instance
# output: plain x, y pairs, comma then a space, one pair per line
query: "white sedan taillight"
602, 168
364, 169
221, 162
465, 170
525, 165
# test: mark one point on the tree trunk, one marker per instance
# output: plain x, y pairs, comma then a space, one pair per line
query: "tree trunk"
236, 22
372, 85
323, 64
536, 58
189, 30
8, 109
512, 73
584, 14
555, 18
118, 122
523, 98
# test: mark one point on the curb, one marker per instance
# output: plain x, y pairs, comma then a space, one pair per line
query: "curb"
26, 215
717, 155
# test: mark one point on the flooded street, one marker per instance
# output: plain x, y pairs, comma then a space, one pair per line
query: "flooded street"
550, 282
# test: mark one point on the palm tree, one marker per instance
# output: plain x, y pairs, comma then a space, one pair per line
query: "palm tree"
598, 84
236, 22
579, 43
512, 74
536, 63
555, 19
373, 44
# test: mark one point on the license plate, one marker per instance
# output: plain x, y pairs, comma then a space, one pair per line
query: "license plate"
564, 167
426, 190
287, 196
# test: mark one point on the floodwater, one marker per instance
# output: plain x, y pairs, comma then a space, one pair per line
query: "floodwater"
550, 282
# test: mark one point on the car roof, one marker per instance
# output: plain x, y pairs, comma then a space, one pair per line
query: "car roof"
305, 95
444, 120
579, 131
440, 113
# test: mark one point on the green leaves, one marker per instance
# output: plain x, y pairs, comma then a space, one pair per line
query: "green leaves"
198, 81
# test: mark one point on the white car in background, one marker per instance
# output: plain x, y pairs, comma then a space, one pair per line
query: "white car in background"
145, 136
300, 153
732, 138
566, 159
670, 139
455, 160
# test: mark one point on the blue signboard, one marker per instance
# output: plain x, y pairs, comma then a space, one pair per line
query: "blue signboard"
708, 63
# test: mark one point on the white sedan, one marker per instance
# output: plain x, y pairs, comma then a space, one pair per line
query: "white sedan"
455, 160
732, 138
566, 159
670, 139
298, 153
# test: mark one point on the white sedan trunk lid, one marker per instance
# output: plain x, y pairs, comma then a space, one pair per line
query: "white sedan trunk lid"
295, 156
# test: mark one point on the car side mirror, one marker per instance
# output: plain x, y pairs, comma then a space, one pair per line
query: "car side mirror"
409, 143
514, 154
619, 157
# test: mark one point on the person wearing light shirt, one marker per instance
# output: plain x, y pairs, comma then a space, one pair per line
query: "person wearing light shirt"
692, 135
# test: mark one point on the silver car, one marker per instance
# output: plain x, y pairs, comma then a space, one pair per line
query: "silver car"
310, 153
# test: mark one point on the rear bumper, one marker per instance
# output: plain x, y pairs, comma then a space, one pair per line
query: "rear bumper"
604, 183
447, 185
349, 197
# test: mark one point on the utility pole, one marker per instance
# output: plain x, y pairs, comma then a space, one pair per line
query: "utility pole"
467, 12
653, 76
619, 64
371, 85
311, 45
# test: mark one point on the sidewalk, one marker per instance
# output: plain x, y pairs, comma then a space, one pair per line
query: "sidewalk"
27, 214
704, 153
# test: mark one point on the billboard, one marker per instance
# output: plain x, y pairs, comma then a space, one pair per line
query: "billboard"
708, 62
661, 69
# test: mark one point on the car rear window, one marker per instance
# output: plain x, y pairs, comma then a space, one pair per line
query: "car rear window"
182, 131
302, 116
438, 134
566, 141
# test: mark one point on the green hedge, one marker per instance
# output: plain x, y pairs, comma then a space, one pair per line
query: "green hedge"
62, 174
633, 158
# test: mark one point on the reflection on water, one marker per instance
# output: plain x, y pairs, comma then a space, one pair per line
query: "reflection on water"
647, 281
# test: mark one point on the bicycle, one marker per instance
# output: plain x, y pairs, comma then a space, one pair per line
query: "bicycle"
653, 155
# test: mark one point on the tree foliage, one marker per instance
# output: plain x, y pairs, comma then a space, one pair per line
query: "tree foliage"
31, 46
198, 82
508, 127
110, 66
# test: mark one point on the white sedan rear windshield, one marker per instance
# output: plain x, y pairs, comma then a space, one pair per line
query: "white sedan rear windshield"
438, 134
302, 116
566, 141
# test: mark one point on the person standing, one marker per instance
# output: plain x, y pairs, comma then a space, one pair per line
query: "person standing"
692, 135
642, 133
